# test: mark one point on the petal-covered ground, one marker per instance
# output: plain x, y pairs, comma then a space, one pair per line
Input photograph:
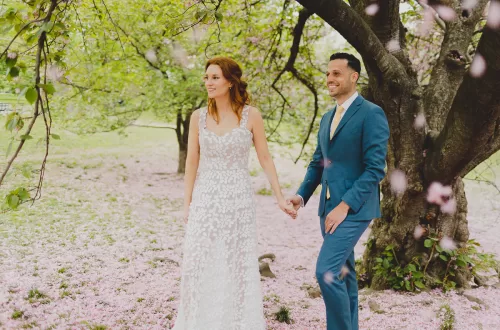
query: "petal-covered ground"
102, 248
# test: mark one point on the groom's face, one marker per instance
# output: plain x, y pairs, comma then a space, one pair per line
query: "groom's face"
340, 78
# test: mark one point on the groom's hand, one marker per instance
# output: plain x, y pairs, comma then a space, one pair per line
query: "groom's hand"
296, 201
335, 217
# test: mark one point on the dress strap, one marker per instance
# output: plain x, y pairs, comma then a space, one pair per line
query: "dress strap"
203, 118
244, 116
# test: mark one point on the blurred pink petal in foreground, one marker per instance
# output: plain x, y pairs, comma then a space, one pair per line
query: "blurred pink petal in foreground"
393, 46
447, 243
446, 13
437, 192
419, 231
478, 66
419, 121
427, 23
398, 181
450, 206
494, 15
328, 277
344, 271
372, 9
469, 4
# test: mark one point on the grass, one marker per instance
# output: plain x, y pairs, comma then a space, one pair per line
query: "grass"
283, 315
264, 192
448, 317
17, 314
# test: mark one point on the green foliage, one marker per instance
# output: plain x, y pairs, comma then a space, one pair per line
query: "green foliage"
407, 278
283, 315
264, 192
448, 316
412, 276
16, 197
17, 314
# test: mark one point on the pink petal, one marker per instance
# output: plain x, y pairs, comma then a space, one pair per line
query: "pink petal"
450, 206
372, 9
434, 193
344, 271
446, 13
419, 231
494, 15
469, 4
447, 243
426, 25
393, 46
398, 181
328, 277
419, 121
478, 66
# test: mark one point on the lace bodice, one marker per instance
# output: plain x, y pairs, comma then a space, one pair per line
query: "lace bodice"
227, 152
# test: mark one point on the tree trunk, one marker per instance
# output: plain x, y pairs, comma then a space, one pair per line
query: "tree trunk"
401, 215
181, 167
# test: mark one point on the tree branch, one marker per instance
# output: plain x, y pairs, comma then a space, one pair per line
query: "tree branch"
449, 69
472, 130
356, 31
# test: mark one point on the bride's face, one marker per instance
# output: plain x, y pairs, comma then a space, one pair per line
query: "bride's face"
215, 82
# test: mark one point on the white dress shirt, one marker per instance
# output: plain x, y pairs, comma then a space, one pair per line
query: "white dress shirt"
347, 103
346, 106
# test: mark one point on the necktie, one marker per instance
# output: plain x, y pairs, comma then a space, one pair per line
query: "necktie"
336, 120
335, 124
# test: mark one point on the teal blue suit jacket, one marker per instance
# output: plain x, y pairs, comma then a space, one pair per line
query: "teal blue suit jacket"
352, 163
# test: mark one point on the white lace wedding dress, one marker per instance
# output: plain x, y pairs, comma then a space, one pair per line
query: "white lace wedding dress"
220, 285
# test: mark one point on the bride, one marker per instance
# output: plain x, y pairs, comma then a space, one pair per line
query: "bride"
220, 284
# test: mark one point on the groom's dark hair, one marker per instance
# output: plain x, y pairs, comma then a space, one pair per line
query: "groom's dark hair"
352, 61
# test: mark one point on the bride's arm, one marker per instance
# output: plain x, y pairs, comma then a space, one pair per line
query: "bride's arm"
192, 161
265, 159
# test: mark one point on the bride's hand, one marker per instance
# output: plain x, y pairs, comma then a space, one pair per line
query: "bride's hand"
287, 208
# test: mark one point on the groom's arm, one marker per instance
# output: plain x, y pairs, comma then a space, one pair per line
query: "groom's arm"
314, 172
375, 137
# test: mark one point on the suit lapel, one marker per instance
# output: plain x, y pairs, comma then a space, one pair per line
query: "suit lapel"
349, 113
326, 130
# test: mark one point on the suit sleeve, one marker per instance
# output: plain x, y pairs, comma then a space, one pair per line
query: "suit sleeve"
374, 140
314, 171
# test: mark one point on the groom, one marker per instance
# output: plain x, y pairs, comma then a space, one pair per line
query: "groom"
349, 164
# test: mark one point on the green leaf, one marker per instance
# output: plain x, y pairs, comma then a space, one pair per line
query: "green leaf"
31, 95
13, 72
407, 285
412, 267
443, 257
10, 61
218, 16
55, 136
11, 122
386, 264
461, 263
439, 249
26, 137
48, 88
12, 201
418, 274
23, 194
9, 148
419, 285
379, 260
428, 243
